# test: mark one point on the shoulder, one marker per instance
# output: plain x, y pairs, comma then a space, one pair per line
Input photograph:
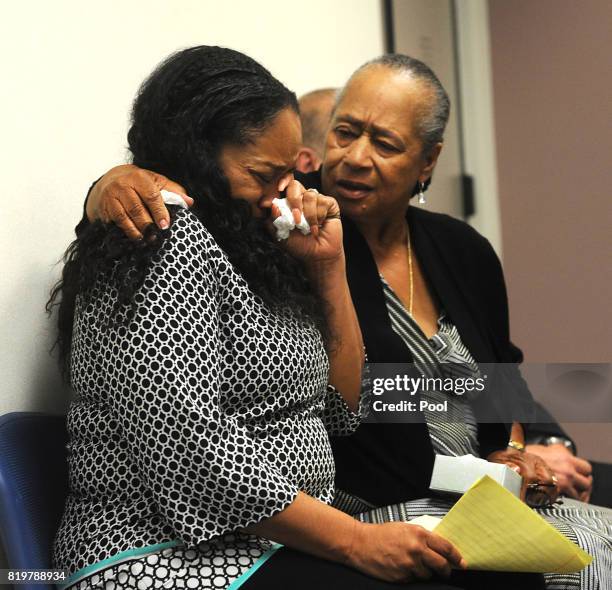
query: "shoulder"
459, 240
450, 228
189, 256
187, 229
189, 242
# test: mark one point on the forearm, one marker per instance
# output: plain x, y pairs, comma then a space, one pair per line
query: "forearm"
346, 355
311, 526
517, 435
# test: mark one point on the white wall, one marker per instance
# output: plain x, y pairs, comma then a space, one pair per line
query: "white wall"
69, 73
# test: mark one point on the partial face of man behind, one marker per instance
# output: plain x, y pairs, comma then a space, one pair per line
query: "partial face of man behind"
315, 112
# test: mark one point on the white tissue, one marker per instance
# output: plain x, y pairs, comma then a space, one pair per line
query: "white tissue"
173, 199
285, 223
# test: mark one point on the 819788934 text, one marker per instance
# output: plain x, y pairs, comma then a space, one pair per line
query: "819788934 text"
40, 576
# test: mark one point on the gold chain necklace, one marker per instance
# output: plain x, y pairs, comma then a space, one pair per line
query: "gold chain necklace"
411, 277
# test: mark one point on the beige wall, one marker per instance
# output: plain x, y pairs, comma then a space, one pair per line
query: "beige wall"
70, 70
553, 113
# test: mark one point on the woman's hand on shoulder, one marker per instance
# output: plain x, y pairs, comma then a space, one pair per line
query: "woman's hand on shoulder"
130, 197
402, 552
324, 242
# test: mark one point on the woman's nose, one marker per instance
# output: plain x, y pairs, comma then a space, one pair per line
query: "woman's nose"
274, 189
358, 154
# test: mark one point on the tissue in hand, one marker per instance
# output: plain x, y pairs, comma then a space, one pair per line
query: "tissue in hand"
173, 199
285, 223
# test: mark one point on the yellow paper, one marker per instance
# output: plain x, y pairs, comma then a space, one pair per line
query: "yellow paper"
494, 530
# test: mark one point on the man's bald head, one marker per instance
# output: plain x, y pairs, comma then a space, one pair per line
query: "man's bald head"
315, 112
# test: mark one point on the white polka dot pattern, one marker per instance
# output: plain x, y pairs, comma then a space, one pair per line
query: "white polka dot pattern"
199, 416
210, 565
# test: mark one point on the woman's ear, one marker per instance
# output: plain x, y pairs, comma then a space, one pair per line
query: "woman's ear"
430, 162
307, 160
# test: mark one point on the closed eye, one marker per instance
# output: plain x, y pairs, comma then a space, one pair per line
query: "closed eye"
345, 133
386, 146
265, 178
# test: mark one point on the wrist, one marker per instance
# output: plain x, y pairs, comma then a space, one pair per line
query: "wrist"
327, 271
349, 555
560, 440
552, 440
517, 445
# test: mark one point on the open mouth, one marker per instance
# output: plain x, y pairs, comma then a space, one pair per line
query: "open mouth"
353, 189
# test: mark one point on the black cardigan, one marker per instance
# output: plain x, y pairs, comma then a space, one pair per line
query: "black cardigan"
389, 463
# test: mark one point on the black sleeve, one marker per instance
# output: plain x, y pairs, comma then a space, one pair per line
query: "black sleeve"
483, 280
81, 225
544, 425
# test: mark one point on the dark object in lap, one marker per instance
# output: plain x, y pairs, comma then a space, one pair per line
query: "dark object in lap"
292, 570
473, 580
602, 484
288, 569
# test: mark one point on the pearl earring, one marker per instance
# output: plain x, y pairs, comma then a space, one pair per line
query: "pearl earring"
422, 199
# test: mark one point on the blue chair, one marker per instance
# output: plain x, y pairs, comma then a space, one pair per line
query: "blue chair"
33, 488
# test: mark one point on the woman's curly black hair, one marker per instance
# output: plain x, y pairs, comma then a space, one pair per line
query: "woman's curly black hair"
195, 102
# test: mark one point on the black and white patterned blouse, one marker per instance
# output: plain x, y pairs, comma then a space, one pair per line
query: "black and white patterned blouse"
205, 413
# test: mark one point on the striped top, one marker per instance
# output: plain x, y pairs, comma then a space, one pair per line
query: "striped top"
443, 355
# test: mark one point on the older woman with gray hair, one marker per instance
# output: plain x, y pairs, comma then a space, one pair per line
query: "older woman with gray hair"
428, 290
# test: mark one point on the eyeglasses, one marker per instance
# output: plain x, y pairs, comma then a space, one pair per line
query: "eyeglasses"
538, 495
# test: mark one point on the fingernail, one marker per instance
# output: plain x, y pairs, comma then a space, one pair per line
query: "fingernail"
164, 224
314, 230
190, 200
284, 183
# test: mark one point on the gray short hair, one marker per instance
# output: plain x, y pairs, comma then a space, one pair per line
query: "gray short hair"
434, 119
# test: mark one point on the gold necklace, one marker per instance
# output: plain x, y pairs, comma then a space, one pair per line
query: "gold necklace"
411, 277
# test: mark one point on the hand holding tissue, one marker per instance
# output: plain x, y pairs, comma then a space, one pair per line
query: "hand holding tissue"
285, 222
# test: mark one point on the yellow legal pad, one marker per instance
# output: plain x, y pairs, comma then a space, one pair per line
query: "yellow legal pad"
494, 530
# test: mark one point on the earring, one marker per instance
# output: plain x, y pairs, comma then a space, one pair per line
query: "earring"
422, 199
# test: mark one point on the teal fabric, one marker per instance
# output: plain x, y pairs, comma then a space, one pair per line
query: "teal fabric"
246, 575
101, 565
